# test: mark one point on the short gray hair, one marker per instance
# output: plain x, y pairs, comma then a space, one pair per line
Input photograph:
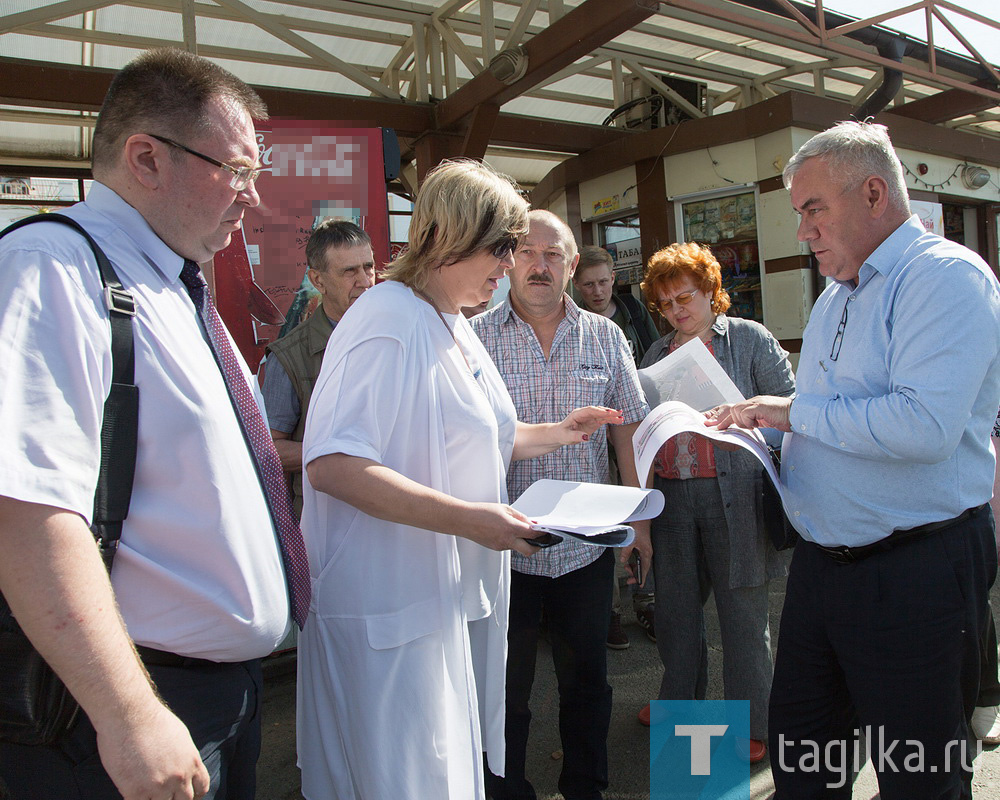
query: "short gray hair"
333, 233
854, 151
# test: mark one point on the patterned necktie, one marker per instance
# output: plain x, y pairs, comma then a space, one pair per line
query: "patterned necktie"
272, 476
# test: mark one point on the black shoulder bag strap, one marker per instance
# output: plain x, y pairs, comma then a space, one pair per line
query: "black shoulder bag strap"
634, 309
119, 430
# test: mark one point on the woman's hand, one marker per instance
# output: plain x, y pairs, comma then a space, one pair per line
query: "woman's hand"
385, 494
500, 527
581, 423
578, 426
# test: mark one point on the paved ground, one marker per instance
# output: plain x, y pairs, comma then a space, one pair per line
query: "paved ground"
634, 675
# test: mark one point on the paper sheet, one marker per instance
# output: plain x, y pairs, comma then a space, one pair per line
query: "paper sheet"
690, 375
671, 418
586, 509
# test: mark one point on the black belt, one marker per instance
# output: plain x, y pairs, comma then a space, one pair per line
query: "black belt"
850, 555
161, 658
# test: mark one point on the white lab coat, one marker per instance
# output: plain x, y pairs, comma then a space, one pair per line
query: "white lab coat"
406, 636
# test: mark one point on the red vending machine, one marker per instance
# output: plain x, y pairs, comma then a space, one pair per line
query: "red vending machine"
312, 171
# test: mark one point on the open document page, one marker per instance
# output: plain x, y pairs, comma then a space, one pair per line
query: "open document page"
691, 375
594, 513
671, 418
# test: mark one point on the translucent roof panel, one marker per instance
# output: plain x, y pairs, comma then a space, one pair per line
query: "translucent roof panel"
343, 47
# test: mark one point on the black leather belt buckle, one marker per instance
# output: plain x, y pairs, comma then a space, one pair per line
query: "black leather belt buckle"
841, 555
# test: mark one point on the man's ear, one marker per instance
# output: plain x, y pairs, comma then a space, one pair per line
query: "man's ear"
876, 195
316, 279
572, 269
145, 159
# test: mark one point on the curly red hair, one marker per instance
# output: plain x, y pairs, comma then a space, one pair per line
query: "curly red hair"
685, 260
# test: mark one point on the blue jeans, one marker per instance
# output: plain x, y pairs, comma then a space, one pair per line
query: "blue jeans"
577, 606
220, 704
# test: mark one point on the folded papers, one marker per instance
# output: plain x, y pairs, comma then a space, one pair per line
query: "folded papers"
593, 513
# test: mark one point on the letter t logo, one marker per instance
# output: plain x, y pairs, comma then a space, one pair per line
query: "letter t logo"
701, 745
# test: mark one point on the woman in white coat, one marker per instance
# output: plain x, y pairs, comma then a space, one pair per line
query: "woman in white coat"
409, 434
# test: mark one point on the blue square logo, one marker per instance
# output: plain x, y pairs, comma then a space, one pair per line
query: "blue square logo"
692, 749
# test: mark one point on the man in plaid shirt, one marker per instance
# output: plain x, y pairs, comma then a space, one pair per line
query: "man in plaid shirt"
555, 357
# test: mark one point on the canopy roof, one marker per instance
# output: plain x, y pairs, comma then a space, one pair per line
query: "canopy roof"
422, 67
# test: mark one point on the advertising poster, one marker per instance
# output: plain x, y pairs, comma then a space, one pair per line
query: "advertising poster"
728, 225
627, 255
931, 215
312, 171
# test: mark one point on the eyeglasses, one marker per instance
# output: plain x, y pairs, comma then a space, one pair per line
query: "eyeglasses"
838, 339
508, 244
681, 299
242, 176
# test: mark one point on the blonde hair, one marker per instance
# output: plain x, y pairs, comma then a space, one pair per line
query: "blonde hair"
679, 261
462, 207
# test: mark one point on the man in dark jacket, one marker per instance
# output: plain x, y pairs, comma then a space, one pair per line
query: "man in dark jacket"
341, 267
595, 281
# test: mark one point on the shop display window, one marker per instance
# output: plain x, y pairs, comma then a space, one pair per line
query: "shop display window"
728, 225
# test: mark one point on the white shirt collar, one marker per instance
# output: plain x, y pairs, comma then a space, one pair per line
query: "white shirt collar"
109, 204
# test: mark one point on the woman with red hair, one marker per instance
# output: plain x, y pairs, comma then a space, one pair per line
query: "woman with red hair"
710, 535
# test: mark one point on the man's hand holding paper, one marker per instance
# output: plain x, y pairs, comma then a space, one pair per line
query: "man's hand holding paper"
761, 411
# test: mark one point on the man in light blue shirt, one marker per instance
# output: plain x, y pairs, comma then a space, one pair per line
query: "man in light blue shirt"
888, 468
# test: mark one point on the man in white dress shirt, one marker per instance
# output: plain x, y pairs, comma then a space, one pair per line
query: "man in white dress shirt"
197, 584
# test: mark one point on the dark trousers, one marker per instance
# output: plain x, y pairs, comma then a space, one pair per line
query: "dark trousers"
889, 646
577, 606
989, 678
692, 555
220, 704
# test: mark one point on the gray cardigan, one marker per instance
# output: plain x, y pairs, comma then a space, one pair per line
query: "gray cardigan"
755, 361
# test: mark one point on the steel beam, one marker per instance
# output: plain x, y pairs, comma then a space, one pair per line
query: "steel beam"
37, 84
587, 27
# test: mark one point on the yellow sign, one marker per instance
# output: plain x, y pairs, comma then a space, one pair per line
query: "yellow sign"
607, 205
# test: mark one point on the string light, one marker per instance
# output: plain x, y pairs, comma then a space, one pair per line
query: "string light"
931, 186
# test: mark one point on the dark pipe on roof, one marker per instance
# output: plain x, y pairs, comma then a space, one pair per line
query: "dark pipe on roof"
891, 47
873, 35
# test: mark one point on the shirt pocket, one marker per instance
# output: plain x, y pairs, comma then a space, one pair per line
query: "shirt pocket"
386, 631
520, 389
590, 386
